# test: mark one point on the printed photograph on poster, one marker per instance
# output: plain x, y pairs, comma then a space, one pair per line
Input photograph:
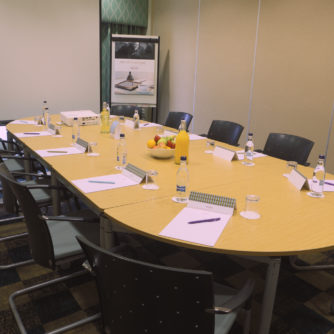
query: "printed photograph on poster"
134, 68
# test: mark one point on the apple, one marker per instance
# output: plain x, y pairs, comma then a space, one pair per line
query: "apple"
157, 138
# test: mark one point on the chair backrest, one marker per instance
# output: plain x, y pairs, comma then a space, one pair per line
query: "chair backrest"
138, 297
174, 119
9, 199
288, 147
225, 131
126, 110
40, 242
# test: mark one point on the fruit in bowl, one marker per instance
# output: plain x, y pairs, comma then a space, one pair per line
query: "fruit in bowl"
161, 147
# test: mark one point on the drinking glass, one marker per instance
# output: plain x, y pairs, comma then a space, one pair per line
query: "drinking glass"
290, 165
251, 207
150, 186
92, 149
210, 146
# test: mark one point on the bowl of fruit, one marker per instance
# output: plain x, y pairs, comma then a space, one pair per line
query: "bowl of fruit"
161, 147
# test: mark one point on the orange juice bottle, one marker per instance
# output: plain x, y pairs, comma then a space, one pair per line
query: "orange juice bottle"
182, 143
104, 116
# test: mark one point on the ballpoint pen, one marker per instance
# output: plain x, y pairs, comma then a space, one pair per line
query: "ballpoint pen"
31, 133
57, 151
204, 220
329, 183
146, 124
96, 181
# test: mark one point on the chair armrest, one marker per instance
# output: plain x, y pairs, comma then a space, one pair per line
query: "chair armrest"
258, 150
44, 186
31, 174
307, 164
236, 301
72, 219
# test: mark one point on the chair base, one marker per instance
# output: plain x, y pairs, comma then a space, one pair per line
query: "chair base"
40, 286
293, 259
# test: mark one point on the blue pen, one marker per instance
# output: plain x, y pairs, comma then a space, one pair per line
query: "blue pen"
330, 184
204, 221
95, 181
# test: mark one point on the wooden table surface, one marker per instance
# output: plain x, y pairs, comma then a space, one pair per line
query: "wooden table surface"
291, 222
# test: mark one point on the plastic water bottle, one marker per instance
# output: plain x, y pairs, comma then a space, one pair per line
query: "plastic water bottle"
249, 151
75, 130
136, 119
182, 181
318, 179
46, 117
121, 152
44, 108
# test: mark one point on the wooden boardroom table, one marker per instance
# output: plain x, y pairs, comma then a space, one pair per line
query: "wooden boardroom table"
291, 222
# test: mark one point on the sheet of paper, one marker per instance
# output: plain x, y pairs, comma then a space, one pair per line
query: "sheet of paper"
201, 233
328, 187
24, 121
148, 125
169, 133
113, 181
192, 136
52, 152
255, 155
128, 123
32, 134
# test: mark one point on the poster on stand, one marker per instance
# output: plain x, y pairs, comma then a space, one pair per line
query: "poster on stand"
134, 69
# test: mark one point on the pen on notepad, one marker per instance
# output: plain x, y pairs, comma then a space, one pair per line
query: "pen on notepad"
57, 151
204, 221
31, 133
329, 183
95, 181
146, 124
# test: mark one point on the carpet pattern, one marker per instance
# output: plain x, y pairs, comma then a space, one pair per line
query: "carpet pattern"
302, 304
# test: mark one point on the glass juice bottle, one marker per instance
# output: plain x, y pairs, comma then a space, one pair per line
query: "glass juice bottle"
105, 126
182, 144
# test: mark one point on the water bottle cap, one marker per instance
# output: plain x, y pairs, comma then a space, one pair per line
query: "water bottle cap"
250, 134
321, 156
183, 158
46, 108
122, 135
75, 118
45, 101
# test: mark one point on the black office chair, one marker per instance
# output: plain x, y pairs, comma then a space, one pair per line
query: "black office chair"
140, 297
52, 242
174, 119
225, 131
288, 147
40, 189
126, 110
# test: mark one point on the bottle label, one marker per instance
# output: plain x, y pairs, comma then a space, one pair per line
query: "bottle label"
124, 159
181, 188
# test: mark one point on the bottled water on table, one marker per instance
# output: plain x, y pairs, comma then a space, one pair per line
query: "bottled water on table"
75, 130
136, 119
121, 152
46, 116
318, 179
249, 151
182, 181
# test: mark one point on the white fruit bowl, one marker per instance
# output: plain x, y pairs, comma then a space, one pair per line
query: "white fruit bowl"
161, 153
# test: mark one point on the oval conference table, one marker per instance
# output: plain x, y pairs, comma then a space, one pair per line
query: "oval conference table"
291, 222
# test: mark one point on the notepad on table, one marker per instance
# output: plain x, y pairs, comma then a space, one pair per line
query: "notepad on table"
202, 221
32, 134
51, 152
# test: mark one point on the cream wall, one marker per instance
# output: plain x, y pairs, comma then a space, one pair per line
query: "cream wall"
294, 76
49, 50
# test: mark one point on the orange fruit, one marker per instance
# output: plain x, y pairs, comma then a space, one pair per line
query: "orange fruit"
150, 143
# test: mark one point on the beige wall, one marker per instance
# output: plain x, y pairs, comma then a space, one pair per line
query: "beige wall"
294, 77
49, 50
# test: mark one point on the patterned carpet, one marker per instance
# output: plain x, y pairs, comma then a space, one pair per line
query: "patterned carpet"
302, 302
